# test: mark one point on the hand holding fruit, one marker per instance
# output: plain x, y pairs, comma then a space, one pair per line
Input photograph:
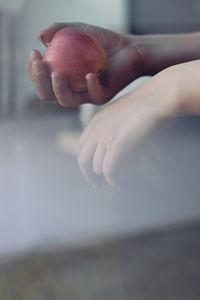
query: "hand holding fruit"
76, 54
70, 68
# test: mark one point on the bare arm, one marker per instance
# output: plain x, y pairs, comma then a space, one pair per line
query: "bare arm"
162, 51
109, 145
129, 56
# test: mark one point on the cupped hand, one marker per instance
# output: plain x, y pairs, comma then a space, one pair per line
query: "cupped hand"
125, 63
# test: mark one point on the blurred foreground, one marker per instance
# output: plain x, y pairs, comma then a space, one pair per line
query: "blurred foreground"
160, 265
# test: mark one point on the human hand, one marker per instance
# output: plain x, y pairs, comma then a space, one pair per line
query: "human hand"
112, 142
125, 63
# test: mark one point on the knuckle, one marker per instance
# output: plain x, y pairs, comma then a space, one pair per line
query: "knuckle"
114, 145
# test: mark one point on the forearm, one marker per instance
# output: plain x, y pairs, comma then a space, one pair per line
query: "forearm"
162, 51
189, 84
181, 88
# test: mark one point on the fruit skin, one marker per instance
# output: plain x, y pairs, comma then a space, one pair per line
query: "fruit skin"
75, 53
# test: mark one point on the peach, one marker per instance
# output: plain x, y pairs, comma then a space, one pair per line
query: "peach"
75, 53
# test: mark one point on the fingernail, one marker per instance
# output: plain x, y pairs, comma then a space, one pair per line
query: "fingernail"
37, 68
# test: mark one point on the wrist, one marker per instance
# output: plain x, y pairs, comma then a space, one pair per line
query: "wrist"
129, 62
183, 80
169, 91
159, 52
152, 52
171, 49
139, 47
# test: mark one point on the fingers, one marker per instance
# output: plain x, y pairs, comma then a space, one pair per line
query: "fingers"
47, 34
85, 134
63, 93
55, 86
97, 163
111, 159
85, 161
33, 55
91, 158
39, 74
52, 86
95, 90
42, 80
66, 97
98, 159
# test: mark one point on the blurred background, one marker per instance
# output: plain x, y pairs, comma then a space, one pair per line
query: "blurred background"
61, 238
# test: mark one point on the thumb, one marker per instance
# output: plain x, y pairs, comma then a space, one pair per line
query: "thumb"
46, 35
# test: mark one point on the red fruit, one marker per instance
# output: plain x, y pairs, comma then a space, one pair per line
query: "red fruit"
75, 53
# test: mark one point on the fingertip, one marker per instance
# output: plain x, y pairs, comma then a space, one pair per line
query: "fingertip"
99, 159
44, 38
95, 90
90, 76
41, 35
34, 55
93, 83
97, 170
46, 35
96, 167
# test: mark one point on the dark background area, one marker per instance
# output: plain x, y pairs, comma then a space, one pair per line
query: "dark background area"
157, 16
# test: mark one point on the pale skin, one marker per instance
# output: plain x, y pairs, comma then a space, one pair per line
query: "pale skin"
111, 143
111, 139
